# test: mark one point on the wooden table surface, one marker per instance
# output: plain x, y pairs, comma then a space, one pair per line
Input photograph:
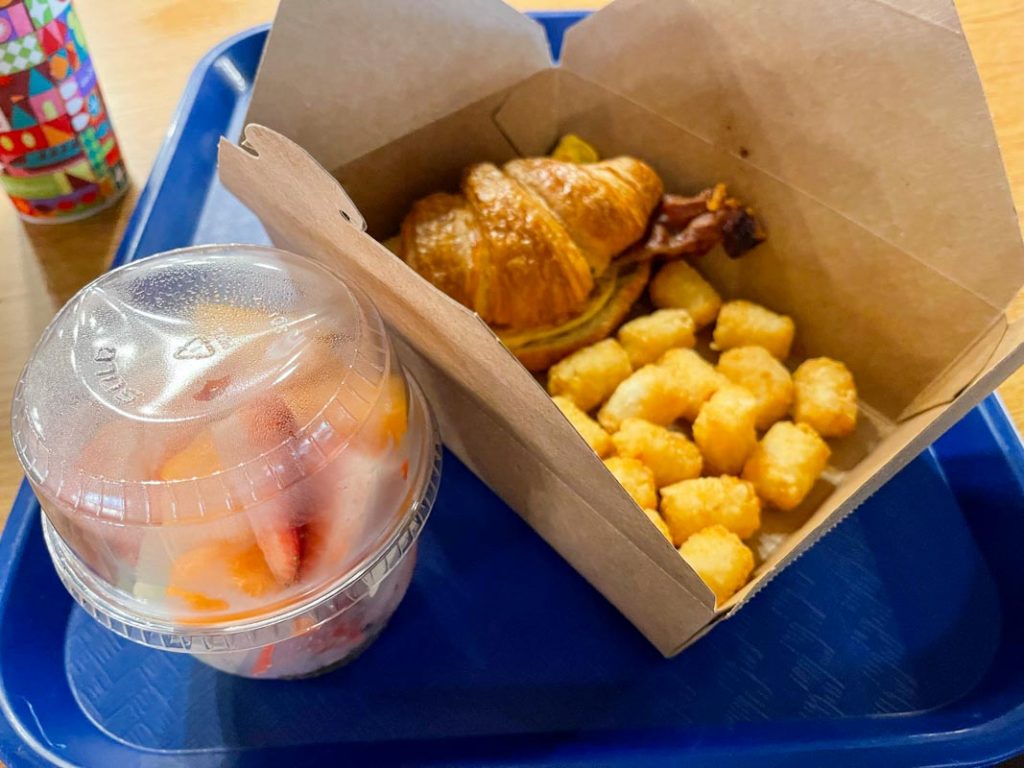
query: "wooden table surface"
144, 51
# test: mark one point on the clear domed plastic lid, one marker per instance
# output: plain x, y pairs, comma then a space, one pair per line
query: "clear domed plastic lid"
197, 382
266, 355
221, 438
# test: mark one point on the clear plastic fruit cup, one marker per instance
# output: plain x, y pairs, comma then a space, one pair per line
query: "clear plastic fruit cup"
230, 459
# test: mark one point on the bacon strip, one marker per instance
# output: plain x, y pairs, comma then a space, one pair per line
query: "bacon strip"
692, 226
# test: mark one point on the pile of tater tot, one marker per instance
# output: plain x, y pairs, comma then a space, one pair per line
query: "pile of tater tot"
704, 447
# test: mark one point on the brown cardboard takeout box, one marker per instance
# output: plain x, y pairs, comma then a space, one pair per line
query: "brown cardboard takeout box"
859, 131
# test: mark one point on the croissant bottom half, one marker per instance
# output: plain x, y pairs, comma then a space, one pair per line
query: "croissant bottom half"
618, 289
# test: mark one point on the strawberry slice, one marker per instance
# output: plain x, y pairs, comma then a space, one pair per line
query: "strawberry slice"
281, 544
268, 424
259, 428
264, 661
212, 388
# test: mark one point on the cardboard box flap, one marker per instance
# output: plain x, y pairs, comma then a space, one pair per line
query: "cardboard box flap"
535, 459
344, 78
876, 111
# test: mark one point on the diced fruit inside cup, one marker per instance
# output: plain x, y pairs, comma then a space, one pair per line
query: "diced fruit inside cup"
295, 526
207, 577
265, 425
258, 429
197, 459
281, 543
395, 415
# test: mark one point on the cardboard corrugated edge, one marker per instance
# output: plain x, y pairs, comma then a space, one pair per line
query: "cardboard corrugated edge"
535, 462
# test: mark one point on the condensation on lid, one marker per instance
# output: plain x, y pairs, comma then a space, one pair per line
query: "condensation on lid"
176, 385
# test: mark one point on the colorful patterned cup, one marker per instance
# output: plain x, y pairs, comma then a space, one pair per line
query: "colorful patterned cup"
59, 158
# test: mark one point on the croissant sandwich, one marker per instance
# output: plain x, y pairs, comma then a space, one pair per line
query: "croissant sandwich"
553, 254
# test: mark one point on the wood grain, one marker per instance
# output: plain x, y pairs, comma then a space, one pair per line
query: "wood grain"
144, 52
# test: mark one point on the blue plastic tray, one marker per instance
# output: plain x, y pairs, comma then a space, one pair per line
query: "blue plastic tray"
897, 639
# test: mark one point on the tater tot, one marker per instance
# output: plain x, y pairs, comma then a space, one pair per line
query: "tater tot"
725, 430
722, 561
825, 397
598, 440
691, 505
647, 338
745, 324
754, 369
572, 149
647, 394
658, 523
636, 478
670, 455
589, 375
786, 463
679, 286
694, 378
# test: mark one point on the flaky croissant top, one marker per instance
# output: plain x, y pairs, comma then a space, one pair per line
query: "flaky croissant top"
522, 244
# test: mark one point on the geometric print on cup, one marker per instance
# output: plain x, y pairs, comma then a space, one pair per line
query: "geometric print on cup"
66, 67
35, 137
52, 156
76, 108
13, 90
44, 97
20, 54
60, 66
75, 28
14, 22
59, 157
85, 73
44, 11
6, 28
53, 36
67, 62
